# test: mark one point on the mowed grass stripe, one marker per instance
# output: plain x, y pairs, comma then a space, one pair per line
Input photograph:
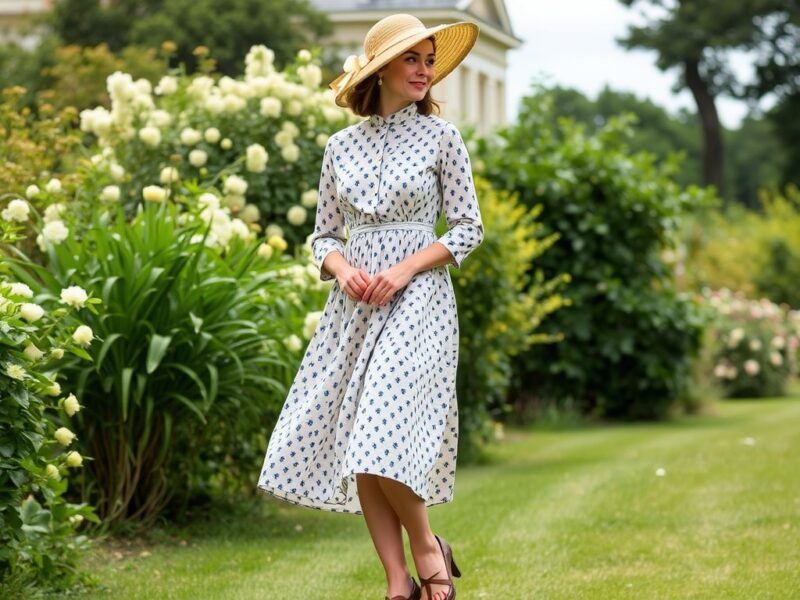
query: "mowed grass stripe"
575, 513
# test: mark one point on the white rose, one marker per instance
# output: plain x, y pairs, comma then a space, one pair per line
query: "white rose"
159, 118
310, 75
74, 295
270, 107
52, 472
226, 144
32, 353
257, 158
167, 85
235, 202
117, 171
290, 128
198, 158
110, 193
208, 199
232, 103
293, 343
309, 198
17, 210
265, 251
283, 138
751, 367
189, 136
212, 135
57, 353
55, 231
154, 193
32, 191
310, 323
296, 215
235, 185
250, 214
31, 312
290, 153
53, 186
169, 175
64, 436
53, 212
54, 389
150, 136
322, 139
15, 372
71, 405
303, 55
240, 229
214, 105
273, 229
21, 289
74, 459
83, 335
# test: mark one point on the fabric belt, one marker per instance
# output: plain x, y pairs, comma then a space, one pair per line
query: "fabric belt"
418, 225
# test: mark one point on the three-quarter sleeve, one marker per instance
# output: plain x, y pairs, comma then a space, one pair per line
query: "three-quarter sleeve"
462, 213
329, 225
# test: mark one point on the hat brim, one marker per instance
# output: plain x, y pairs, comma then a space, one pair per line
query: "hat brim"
453, 43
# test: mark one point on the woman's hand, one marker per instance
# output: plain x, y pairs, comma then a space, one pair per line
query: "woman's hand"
384, 284
352, 281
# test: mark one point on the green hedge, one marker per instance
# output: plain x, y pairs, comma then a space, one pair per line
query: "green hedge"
629, 337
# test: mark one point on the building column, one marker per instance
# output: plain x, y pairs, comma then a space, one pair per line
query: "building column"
471, 100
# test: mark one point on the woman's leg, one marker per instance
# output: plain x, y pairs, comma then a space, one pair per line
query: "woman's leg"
384, 528
413, 514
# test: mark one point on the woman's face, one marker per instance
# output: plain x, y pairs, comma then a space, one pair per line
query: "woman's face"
409, 75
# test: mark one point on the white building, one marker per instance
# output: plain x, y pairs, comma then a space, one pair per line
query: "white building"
475, 93
13, 14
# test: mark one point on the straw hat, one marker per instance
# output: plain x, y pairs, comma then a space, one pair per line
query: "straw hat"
391, 36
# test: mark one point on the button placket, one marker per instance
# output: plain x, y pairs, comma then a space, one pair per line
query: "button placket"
380, 165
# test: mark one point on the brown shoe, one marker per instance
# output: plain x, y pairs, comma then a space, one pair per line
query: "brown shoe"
416, 593
452, 570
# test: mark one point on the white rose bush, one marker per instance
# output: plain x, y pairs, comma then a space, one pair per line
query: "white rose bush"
753, 344
257, 139
38, 526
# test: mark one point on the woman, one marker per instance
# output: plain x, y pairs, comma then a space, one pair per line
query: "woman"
370, 425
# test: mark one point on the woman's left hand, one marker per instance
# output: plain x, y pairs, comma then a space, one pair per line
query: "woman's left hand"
384, 284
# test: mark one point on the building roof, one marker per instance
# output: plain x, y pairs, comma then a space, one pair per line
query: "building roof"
491, 12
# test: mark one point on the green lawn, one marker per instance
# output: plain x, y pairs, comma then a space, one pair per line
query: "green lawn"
576, 513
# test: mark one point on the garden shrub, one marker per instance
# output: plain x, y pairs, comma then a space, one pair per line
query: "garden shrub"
753, 344
39, 544
181, 352
260, 137
629, 336
756, 253
501, 306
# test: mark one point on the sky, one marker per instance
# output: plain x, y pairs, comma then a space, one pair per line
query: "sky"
572, 43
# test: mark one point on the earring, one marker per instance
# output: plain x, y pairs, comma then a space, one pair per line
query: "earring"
380, 79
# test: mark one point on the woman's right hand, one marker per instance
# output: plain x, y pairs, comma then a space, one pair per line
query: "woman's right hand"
353, 281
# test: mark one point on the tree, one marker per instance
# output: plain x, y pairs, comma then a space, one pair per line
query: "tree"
283, 25
699, 39
754, 157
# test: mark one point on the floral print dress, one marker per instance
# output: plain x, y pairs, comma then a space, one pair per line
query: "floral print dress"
376, 388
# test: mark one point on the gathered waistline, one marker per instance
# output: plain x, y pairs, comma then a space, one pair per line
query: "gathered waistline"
418, 225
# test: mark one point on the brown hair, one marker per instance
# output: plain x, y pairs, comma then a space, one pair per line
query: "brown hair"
364, 98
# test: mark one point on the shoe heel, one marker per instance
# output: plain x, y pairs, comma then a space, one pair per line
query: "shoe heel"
454, 567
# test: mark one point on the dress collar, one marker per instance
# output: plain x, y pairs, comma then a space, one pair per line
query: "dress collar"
399, 116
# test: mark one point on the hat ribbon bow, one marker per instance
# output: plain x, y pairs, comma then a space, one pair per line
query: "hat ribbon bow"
352, 66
